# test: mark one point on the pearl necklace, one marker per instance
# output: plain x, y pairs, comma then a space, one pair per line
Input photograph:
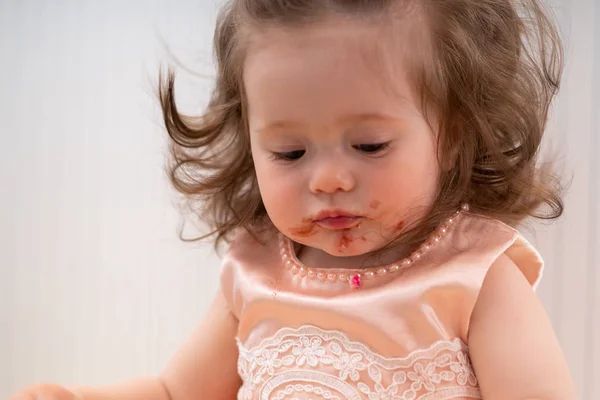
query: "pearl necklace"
355, 277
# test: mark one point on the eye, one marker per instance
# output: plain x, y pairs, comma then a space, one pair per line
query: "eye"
289, 155
372, 147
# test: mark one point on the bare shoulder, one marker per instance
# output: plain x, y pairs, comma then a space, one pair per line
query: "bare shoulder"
514, 350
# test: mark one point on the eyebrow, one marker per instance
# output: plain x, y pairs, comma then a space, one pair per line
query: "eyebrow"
345, 120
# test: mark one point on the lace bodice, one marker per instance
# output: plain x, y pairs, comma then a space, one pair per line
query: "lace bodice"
401, 336
309, 362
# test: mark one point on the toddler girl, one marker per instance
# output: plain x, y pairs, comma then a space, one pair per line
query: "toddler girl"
367, 162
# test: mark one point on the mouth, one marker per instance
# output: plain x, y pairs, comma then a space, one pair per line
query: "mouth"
337, 220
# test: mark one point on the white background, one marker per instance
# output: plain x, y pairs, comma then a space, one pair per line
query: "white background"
95, 286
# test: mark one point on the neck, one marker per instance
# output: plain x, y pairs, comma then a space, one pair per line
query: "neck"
316, 258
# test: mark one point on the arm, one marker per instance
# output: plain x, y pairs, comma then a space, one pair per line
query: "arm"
203, 368
514, 351
206, 366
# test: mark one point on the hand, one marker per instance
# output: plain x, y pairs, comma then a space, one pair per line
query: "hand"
46, 391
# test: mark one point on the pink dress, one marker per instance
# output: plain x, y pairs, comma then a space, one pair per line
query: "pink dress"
401, 335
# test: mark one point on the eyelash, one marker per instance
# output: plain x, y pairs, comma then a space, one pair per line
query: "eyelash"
286, 155
295, 155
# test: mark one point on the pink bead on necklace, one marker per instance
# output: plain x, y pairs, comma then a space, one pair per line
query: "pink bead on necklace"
355, 281
355, 277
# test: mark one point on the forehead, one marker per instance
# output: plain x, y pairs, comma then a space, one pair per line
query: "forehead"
321, 71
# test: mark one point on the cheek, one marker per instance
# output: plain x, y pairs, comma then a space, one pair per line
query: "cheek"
280, 194
407, 183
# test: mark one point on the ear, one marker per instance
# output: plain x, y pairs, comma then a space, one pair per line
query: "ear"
447, 154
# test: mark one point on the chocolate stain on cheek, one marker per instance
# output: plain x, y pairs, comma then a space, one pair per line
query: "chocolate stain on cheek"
306, 229
399, 226
303, 231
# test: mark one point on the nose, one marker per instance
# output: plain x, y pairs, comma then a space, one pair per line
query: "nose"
331, 175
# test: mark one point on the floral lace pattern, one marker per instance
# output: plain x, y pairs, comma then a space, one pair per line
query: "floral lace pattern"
311, 363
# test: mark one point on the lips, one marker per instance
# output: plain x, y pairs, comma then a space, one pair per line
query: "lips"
337, 219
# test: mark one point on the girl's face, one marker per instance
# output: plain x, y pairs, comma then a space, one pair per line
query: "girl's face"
344, 158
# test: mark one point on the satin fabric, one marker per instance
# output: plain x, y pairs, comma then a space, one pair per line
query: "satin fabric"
393, 326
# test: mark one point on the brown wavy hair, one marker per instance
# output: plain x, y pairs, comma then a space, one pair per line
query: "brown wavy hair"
493, 70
